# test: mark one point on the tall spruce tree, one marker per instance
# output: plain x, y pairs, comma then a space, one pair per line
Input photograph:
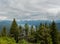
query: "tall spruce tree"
20, 28
54, 33
32, 30
36, 34
26, 30
21, 32
44, 35
47, 37
32, 34
4, 33
14, 31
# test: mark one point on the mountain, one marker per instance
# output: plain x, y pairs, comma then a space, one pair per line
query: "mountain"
7, 23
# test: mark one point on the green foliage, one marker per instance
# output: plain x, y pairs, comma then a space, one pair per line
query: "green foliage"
59, 37
26, 30
54, 33
4, 33
14, 27
23, 42
6, 40
32, 30
20, 29
14, 31
32, 35
42, 34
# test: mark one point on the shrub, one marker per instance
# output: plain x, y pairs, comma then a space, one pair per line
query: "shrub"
6, 40
23, 41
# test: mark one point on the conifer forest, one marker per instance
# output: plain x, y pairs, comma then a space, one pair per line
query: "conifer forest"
41, 34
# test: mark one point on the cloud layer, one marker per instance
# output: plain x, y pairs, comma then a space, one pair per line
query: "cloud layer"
30, 9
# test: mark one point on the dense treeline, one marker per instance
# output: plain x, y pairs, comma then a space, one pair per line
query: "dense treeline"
42, 34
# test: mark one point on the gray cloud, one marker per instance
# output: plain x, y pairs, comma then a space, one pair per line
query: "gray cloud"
30, 9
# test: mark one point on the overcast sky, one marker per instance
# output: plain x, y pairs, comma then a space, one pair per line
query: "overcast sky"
30, 9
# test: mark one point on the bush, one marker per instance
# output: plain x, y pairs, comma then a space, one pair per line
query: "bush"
6, 40
23, 42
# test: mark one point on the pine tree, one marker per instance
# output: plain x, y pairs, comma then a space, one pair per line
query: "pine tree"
20, 28
36, 34
46, 25
21, 32
54, 33
32, 34
26, 30
47, 37
39, 31
4, 33
14, 31
44, 35
32, 30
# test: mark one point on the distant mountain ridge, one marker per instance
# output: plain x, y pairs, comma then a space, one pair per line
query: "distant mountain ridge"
7, 23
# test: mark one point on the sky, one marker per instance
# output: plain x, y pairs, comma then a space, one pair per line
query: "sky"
30, 9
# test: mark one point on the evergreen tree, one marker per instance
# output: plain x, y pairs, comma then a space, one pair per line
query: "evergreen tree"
4, 33
44, 35
46, 25
32, 30
36, 34
20, 28
47, 37
38, 31
54, 33
21, 32
26, 30
32, 34
14, 31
